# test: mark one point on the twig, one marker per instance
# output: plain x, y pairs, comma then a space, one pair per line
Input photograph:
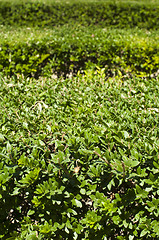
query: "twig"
103, 159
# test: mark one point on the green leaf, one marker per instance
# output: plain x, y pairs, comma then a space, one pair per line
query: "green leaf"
1, 138
76, 202
131, 237
144, 232
83, 191
32, 236
30, 212
8, 147
141, 193
126, 134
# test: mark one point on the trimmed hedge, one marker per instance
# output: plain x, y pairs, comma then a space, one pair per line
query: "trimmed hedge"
70, 51
104, 13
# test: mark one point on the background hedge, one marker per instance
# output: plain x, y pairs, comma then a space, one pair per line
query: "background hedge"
143, 14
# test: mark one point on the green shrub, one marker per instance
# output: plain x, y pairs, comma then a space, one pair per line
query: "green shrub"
79, 158
104, 13
66, 50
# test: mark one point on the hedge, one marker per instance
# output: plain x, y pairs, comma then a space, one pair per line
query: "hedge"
79, 158
104, 13
35, 52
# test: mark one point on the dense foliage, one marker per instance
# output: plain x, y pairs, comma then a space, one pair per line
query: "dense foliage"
34, 52
79, 158
50, 13
79, 114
